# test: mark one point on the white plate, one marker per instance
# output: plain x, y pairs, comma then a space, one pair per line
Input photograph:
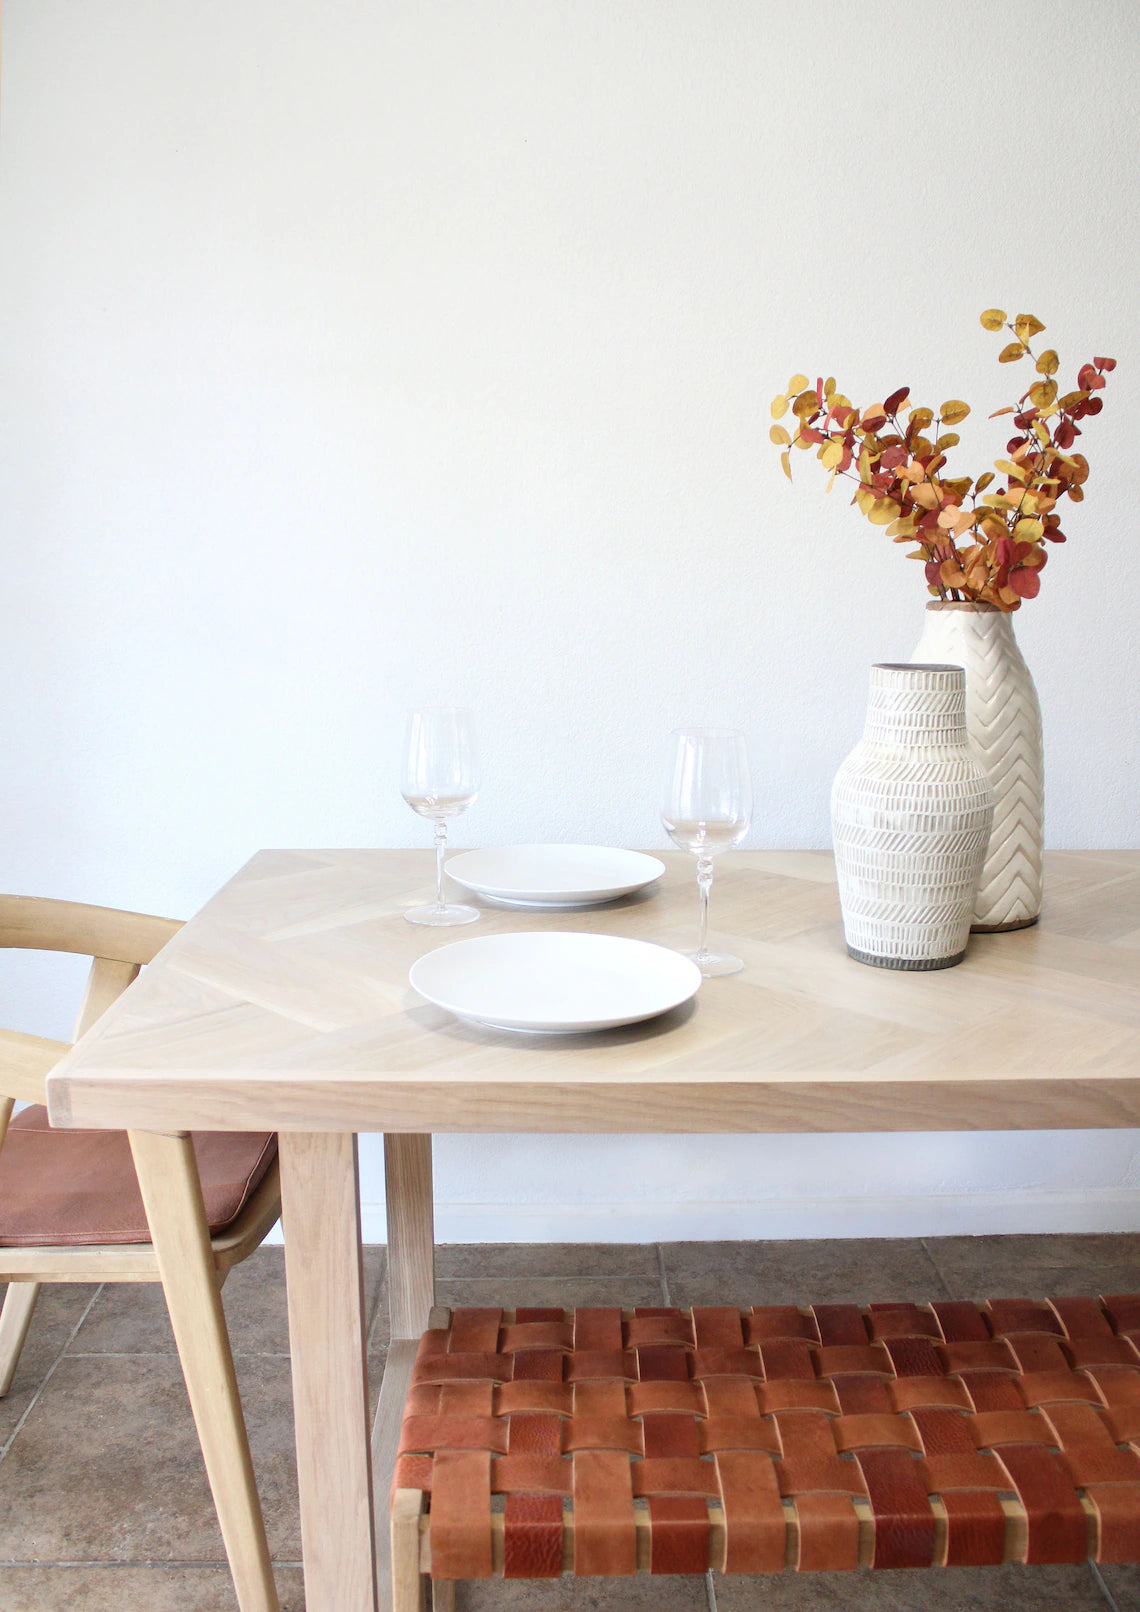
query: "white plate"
546, 980
554, 875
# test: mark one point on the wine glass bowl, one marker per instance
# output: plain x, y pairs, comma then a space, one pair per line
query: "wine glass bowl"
706, 810
440, 779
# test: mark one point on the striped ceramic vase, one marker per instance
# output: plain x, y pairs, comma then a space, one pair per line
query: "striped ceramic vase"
1004, 722
911, 809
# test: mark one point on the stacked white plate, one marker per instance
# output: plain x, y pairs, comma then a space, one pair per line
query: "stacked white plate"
553, 875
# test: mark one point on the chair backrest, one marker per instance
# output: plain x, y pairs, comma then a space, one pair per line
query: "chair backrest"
118, 943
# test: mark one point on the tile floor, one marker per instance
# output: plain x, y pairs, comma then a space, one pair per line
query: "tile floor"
104, 1503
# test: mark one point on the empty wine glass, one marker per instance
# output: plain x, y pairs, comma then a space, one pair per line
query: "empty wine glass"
440, 780
707, 809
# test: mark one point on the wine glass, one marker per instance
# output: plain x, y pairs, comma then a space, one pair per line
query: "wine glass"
440, 780
707, 809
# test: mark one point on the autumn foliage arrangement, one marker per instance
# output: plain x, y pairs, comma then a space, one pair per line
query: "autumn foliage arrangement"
977, 540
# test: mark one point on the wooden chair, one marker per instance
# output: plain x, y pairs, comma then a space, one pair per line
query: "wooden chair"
59, 1190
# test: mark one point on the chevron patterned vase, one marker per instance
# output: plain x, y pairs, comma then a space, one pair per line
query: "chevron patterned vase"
1004, 721
911, 809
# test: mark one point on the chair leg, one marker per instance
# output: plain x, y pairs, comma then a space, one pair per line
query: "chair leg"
409, 1585
172, 1194
19, 1302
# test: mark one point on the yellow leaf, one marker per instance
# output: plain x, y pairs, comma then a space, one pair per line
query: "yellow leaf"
994, 318
780, 437
807, 403
865, 466
1042, 393
984, 481
830, 455
786, 461
883, 511
1027, 326
779, 406
797, 384
829, 388
1008, 355
1028, 531
949, 439
1008, 468
954, 411
1048, 363
830, 481
865, 499
922, 417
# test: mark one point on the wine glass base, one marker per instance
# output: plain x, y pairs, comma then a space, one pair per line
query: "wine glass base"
442, 917
714, 964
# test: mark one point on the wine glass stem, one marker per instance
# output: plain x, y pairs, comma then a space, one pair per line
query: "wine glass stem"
440, 847
704, 885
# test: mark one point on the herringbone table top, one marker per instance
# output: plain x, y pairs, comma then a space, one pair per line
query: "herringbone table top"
285, 1003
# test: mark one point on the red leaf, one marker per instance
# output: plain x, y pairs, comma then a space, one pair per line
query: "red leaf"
1065, 435
1105, 363
933, 572
896, 399
1025, 583
1094, 405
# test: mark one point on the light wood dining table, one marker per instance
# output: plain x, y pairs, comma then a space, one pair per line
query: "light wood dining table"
285, 1004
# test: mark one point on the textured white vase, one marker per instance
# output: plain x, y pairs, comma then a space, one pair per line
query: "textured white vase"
911, 809
1004, 722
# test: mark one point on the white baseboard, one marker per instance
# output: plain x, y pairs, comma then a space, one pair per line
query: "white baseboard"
1102, 1209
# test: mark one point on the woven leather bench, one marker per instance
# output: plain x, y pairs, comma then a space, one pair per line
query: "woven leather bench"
606, 1442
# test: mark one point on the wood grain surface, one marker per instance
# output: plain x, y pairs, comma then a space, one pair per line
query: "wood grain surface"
285, 1003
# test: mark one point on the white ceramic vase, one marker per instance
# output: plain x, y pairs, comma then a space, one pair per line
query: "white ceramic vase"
911, 809
1004, 723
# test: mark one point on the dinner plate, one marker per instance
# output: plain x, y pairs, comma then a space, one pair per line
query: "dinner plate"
546, 980
554, 875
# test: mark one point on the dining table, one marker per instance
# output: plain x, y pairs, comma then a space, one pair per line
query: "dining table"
285, 1005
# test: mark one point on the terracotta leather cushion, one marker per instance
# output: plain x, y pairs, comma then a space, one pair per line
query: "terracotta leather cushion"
79, 1187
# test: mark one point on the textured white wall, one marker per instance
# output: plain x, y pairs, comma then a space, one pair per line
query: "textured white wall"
373, 354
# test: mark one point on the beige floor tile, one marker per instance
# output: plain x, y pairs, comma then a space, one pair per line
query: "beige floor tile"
558, 1260
1123, 1585
953, 1589
509, 1292
640, 1594
107, 1467
1036, 1267
58, 1308
131, 1317
839, 1271
134, 1589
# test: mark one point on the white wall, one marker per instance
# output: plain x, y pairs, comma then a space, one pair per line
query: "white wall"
369, 354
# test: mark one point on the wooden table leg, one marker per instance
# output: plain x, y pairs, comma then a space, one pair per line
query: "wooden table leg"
172, 1194
411, 1296
320, 1211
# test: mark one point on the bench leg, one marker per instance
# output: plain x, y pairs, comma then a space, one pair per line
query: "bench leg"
408, 1583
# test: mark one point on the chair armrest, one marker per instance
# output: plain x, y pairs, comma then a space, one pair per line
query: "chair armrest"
25, 1063
41, 924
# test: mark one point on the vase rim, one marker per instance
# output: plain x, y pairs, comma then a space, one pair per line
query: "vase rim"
918, 666
979, 606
